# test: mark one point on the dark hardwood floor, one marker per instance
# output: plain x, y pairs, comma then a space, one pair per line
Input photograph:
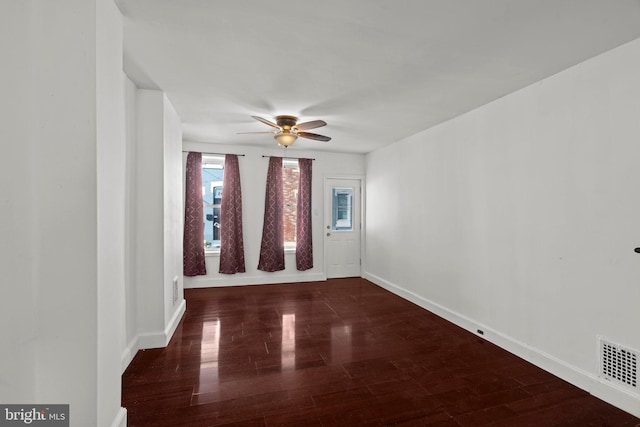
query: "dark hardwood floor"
340, 353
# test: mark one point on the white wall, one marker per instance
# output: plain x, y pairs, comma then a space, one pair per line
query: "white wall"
521, 218
149, 208
158, 229
129, 344
172, 157
253, 175
58, 118
111, 192
18, 213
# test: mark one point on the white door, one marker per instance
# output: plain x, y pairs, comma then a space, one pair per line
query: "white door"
342, 228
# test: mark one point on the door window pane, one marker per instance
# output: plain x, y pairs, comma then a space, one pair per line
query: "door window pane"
342, 209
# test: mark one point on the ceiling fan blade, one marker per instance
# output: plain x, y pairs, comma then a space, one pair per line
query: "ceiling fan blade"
310, 125
266, 122
314, 136
246, 133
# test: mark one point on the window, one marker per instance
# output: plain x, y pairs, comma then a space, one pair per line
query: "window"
290, 180
342, 209
212, 178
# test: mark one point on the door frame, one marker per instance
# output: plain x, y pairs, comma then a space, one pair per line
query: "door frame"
363, 227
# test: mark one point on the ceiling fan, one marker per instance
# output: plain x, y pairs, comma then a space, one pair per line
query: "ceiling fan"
289, 129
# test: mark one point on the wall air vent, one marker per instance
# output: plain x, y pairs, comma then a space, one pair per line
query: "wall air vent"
618, 363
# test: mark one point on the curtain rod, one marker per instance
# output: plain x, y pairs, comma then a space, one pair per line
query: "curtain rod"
212, 154
294, 158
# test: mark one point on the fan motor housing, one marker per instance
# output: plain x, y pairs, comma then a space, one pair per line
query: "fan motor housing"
288, 121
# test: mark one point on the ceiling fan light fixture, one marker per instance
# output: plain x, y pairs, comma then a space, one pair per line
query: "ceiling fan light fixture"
289, 129
286, 139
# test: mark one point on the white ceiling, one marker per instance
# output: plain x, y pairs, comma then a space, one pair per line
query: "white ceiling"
375, 70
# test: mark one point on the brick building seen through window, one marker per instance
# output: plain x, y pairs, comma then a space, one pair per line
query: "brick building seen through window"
290, 179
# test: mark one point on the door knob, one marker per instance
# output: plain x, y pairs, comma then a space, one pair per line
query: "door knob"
328, 234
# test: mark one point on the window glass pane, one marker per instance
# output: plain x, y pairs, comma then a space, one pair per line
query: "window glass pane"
290, 179
342, 209
212, 177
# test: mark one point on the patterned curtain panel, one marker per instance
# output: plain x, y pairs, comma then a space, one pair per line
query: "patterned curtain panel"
231, 242
272, 247
304, 244
193, 260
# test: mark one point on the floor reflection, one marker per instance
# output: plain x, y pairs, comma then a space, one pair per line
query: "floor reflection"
209, 353
288, 353
341, 342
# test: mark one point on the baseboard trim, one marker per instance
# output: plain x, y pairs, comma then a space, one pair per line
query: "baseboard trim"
242, 280
175, 320
616, 396
161, 339
585, 380
121, 418
129, 353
